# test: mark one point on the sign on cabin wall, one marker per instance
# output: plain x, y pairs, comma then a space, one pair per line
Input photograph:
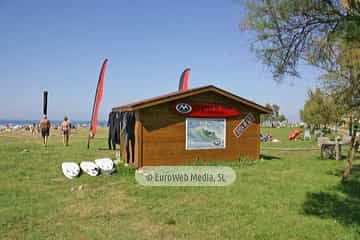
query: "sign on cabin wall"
205, 133
201, 109
244, 124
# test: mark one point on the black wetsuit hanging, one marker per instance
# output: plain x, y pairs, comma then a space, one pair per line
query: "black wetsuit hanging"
129, 128
117, 127
110, 125
114, 124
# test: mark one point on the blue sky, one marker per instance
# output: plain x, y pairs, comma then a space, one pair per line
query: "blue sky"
60, 45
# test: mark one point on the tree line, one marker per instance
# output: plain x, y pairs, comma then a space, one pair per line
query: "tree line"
322, 33
273, 118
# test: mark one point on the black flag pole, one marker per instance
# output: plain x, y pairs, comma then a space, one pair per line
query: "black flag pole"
45, 100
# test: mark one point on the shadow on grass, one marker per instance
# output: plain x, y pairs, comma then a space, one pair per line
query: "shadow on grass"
355, 172
341, 203
269, 157
105, 149
331, 205
342, 158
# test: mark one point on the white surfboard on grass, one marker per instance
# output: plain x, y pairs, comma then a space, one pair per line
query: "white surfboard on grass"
70, 169
90, 168
106, 165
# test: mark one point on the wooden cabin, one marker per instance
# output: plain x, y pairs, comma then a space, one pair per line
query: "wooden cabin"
199, 124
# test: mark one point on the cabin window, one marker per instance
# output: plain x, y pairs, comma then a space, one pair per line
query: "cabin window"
205, 133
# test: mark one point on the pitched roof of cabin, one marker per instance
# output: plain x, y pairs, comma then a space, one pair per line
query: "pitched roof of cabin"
182, 94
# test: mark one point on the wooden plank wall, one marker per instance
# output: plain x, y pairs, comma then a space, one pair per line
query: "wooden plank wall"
138, 140
163, 135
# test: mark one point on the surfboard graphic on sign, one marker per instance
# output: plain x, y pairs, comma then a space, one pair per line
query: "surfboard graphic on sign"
244, 124
208, 110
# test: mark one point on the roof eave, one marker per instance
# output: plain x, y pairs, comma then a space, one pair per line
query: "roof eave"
142, 105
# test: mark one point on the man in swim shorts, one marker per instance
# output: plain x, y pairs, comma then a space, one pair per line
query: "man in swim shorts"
44, 126
65, 129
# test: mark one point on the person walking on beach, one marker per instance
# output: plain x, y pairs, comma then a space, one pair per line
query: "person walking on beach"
33, 129
65, 129
44, 126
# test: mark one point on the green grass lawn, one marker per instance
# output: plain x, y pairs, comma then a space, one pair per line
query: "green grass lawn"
287, 195
282, 134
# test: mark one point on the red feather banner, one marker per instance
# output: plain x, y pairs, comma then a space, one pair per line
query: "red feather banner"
184, 80
97, 101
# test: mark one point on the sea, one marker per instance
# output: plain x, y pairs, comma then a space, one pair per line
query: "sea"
53, 122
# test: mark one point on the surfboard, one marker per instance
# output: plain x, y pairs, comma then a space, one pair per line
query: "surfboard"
294, 134
106, 165
90, 168
70, 169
